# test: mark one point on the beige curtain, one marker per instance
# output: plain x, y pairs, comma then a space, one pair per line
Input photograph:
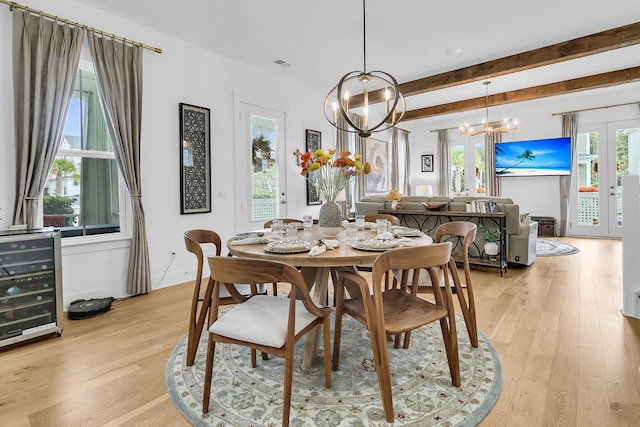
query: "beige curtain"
46, 55
569, 129
400, 161
359, 143
444, 164
493, 182
119, 74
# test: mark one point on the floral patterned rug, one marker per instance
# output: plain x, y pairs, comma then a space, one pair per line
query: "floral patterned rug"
422, 390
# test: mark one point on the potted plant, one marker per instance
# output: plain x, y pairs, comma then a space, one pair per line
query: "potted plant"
490, 237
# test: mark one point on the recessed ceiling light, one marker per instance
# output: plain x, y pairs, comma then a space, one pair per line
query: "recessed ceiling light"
281, 63
453, 51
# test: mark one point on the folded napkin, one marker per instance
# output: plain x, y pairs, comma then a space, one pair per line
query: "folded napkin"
386, 236
322, 247
405, 242
265, 238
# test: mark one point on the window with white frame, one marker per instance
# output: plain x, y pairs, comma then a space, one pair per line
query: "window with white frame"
83, 192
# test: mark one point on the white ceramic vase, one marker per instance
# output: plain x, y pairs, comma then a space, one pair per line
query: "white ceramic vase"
330, 219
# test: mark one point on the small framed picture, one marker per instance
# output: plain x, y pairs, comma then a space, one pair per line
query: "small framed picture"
427, 163
313, 142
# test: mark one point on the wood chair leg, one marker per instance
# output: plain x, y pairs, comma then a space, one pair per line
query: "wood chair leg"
326, 330
254, 361
451, 347
337, 330
206, 392
197, 321
288, 382
383, 372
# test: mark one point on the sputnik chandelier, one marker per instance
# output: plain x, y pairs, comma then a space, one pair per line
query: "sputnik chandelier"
372, 87
486, 126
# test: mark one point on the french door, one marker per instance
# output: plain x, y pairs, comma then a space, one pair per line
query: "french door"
260, 168
467, 160
606, 152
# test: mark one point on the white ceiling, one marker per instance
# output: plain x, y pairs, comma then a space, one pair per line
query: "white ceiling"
322, 39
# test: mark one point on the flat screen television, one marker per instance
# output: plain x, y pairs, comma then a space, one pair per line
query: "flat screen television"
537, 157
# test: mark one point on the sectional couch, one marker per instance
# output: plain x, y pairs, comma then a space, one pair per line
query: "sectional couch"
521, 233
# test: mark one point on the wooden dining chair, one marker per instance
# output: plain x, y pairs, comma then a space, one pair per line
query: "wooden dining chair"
193, 240
265, 323
390, 312
461, 234
267, 224
284, 221
394, 220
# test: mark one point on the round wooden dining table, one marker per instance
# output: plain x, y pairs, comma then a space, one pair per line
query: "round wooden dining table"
316, 269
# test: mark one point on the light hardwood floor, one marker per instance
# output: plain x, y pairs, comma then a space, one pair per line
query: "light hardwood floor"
569, 358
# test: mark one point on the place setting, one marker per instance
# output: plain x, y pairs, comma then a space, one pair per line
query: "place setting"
388, 237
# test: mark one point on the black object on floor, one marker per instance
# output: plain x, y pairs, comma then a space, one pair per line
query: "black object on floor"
83, 309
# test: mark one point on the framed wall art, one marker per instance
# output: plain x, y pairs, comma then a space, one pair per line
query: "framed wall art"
427, 163
195, 159
376, 152
313, 142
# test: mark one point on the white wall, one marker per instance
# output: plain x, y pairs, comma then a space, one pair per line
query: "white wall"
182, 73
539, 196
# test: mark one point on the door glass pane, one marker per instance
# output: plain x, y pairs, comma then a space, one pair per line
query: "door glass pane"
481, 176
457, 170
264, 179
588, 191
627, 162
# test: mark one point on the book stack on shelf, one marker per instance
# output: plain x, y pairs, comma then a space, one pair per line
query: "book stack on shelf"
482, 206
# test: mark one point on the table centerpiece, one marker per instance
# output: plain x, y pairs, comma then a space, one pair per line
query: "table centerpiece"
331, 175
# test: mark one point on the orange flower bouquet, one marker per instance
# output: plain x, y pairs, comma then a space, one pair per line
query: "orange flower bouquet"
332, 174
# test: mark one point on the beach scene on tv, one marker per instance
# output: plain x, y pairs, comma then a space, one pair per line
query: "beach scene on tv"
534, 157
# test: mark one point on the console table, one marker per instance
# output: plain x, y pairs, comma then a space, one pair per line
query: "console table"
429, 221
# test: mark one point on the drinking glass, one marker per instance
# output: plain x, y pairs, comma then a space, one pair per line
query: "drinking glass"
351, 232
360, 222
381, 226
291, 231
277, 226
307, 222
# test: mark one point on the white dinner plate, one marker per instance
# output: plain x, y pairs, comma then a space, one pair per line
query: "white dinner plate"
288, 247
375, 244
405, 231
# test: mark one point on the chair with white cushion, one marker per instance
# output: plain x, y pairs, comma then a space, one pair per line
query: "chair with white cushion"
198, 242
265, 323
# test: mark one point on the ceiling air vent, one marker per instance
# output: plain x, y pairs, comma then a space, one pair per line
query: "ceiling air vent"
281, 63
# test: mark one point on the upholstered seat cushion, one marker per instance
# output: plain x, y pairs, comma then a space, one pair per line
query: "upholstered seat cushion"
261, 320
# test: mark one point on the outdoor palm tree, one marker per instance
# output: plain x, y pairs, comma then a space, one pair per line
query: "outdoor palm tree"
62, 168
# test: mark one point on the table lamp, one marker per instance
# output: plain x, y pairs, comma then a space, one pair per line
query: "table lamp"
424, 190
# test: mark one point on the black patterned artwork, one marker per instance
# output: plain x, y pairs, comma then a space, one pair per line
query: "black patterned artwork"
195, 161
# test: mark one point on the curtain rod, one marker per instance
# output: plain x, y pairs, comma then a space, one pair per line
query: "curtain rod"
594, 108
432, 130
13, 5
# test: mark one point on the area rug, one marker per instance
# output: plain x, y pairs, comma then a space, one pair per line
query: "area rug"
553, 248
422, 391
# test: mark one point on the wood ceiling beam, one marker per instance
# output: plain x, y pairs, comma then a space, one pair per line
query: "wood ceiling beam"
628, 75
603, 41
